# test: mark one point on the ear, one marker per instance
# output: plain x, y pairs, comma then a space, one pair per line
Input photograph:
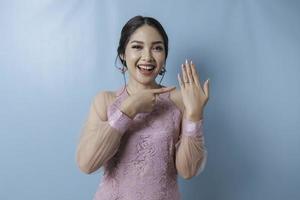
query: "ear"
122, 56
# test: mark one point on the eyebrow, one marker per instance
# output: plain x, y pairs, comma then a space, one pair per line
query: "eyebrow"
156, 42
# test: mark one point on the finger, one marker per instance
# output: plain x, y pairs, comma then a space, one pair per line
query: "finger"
195, 74
206, 88
180, 81
162, 90
184, 76
155, 98
189, 72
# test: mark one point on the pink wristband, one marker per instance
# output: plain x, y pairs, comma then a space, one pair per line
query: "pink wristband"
190, 128
120, 121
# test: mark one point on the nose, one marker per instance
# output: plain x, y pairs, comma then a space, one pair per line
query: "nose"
147, 55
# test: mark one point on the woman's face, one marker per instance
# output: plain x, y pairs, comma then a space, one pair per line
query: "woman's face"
145, 55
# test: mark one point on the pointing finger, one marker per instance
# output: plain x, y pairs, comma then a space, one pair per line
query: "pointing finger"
162, 90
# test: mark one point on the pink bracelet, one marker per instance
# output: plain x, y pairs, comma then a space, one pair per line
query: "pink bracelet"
119, 121
190, 128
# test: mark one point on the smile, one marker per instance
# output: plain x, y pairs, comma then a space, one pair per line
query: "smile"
146, 67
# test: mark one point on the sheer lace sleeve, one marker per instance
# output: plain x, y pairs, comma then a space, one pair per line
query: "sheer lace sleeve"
191, 153
100, 135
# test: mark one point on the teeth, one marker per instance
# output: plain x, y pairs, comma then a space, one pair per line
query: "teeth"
146, 67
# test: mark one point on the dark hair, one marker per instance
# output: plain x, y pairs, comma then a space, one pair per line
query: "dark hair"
132, 25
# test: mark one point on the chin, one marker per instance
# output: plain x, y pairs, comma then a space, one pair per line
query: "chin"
145, 82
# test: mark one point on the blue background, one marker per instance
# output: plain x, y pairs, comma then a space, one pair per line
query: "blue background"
56, 55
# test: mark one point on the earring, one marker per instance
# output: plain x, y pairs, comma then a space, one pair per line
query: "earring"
124, 68
163, 71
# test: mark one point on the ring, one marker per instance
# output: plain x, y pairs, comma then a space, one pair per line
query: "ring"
186, 81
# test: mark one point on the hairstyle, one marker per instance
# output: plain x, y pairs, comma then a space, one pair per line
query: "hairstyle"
131, 26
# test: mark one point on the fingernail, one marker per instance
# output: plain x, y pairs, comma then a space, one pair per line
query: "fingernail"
186, 61
191, 62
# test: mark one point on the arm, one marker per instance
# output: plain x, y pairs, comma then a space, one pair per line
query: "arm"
101, 135
191, 153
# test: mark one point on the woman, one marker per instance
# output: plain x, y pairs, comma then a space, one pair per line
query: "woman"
145, 134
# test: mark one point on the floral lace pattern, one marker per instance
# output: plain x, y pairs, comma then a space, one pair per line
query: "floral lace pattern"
144, 167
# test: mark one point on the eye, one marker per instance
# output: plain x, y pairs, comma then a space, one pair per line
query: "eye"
158, 48
137, 47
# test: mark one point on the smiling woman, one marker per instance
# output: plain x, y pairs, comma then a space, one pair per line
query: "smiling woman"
145, 134
144, 56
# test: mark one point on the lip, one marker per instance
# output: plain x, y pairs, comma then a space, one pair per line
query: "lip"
145, 73
146, 64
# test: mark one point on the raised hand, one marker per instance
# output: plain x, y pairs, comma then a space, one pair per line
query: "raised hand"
193, 95
142, 101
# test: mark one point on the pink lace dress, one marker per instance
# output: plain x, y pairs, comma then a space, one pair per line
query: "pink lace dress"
143, 167
142, 156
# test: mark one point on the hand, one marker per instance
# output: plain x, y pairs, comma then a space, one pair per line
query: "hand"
142, 101
193, 96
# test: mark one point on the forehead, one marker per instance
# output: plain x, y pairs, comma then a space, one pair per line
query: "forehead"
146, 33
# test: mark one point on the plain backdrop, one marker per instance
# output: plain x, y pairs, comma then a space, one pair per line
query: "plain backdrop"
55, 56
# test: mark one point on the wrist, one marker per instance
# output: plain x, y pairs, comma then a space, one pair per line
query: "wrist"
192, 128
128, 110
119, 121
193, 116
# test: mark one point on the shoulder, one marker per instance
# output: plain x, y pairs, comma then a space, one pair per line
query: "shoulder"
175, 96
102, 100
105, 97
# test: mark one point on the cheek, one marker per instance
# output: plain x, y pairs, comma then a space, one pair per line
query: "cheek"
132, 57
160, 58
131, 54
